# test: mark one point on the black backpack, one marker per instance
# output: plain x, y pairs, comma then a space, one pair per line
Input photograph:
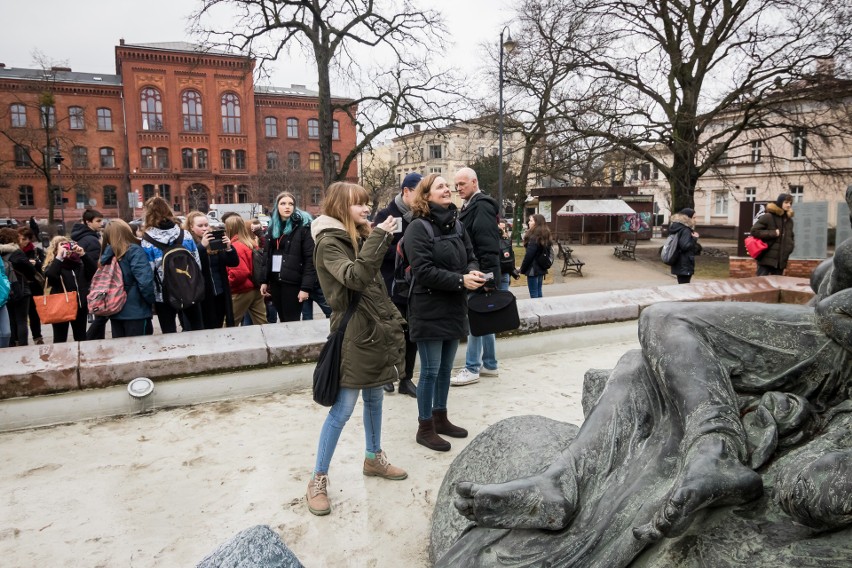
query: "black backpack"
182, 283
16, 287
258, 267
403, 278
545, 258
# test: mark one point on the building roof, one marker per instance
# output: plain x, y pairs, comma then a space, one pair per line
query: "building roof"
182, 46
59, 76
292, 90
581, 207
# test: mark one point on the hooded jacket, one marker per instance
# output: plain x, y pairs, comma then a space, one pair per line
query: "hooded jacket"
781, 245
373, 345
18, 261
437, 307
138, 282
687, 245
479, 217
296, 250
88, 239
155, 254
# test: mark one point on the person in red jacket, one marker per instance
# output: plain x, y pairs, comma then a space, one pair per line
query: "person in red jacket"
245, 297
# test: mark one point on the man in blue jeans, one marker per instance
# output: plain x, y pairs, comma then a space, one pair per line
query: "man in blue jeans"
479, 215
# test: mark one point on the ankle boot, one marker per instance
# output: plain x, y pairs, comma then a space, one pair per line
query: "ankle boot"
407, 387
426, 436
444, 426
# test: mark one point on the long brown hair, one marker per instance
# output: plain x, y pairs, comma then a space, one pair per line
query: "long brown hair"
156, 210
119, 236
541, 232
339, 197
237, 230
420, 205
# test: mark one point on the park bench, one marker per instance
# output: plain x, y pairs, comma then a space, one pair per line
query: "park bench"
626, 250
569, 262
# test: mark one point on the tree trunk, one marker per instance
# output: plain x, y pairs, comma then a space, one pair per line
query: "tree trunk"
323, 59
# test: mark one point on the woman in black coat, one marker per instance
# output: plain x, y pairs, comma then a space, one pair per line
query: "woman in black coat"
683, 225
290, 275
216, 306
68, 264
775, 228
443, 268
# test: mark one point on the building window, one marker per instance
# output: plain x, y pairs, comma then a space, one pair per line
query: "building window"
110, 196
294, 160
79, 157
165, 191
270, 125
240, 159
148, 191
655, 171
314, 161
186, 159
81, 199
22, 157
19, 117
435, 151
104, 119
313, 128
202, 159
231, 113
481, 151
107, 157
798, 193
191, 109
272, 160
26, 197
756, 149
242, 194
48, 117
750, 194
226, 159
316, 196
147, 158
720, 202
228, 194
163, 158
494, 151
435, 171
297, 196
337, 162
75, 118
152, 109
335, 130
800, 142
292, 128
645, 171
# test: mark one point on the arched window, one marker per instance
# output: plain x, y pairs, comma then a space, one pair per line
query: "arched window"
316, 195
313, 128
75, 118
335, 130
79, 157
163, 158
48, 116
292, 128
270, 124
337, 162
202, 159
186, 159
191, 109
314, 161
147, 158
242, 194
272, 160
240, 159
294, 161
231, 113
19, 115
107, 157
227, 159
104, 119
152, 109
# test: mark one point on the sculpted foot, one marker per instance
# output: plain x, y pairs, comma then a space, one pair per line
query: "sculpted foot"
712, 476
540, 502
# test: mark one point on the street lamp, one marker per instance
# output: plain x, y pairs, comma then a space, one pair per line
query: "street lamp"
508, 46
58, 158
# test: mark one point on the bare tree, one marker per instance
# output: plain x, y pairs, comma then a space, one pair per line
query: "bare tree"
338, 35
379, 178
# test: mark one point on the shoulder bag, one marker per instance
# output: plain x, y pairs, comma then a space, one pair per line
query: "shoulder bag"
327, 371
492, 312
57, 308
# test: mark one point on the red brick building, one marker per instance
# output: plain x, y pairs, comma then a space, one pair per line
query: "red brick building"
175, 121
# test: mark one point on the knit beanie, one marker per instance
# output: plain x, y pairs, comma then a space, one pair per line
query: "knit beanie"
688, 212
782, 198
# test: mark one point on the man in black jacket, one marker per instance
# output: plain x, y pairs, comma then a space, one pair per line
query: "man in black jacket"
400, 208
479, 215
87, 234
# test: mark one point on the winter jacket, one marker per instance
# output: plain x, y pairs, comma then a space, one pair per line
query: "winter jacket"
479, 217
76, 274
780, 246
687, 245
155, 254
88, 239
507, 256
214, 265
389, 262
530, 265
36, 254
437, 307
239, 276
24, 271
373, 345
138, 279
297, 251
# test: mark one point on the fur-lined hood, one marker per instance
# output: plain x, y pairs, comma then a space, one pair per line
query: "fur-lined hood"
683, 220
7, 248
778, 211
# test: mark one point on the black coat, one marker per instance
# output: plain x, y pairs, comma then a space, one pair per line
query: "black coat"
530, 265
76, 276
479, 218
88, 239
687, 245
24, 270
780, 246
389, 262
437, 307
297, 252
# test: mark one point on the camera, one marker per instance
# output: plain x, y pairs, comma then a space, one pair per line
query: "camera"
216, 242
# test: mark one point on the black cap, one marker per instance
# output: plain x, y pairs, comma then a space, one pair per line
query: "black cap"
782, 198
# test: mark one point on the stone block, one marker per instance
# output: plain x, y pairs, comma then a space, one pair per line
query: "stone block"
257, 547
295, 342
39, 369
571, 311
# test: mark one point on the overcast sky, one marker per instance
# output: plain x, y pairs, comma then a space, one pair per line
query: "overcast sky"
83, 33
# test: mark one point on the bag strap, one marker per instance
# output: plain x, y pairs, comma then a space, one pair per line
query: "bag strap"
172, 245
353, 304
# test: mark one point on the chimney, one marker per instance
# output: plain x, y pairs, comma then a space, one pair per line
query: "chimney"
2, 65
121, 41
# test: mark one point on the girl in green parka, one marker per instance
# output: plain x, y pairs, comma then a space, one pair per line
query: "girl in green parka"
347, 257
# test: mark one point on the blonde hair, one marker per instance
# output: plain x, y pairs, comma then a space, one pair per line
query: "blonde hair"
420, 205
339, 197
237, 230
119, 236
190, 221
51, 249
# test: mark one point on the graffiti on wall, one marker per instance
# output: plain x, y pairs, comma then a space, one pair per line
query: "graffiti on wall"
638, 223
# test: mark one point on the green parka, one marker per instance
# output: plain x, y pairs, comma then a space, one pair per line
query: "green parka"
374, 343
780, 246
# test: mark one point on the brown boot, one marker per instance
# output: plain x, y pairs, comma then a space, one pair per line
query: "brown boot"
426, 436
317, 495
445, 427
381, 467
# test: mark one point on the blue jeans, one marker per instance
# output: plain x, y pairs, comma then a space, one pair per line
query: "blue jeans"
534, 284
5, 327
436, 365
504, 281
317, 296
339, 414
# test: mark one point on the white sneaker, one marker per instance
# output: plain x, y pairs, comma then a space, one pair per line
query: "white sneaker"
486, 372
464, 377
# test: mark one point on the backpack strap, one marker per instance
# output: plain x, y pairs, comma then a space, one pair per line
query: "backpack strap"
165, 248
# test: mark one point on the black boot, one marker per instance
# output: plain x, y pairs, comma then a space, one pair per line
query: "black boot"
426, 436
407, 387
445, 427
388, 387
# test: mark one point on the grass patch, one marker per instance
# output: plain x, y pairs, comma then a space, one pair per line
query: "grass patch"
706, 267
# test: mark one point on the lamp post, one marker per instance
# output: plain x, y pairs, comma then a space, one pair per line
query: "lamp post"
58, 158
508, 46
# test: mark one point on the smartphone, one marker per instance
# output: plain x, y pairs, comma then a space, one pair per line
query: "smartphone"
216, 242
488, 276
